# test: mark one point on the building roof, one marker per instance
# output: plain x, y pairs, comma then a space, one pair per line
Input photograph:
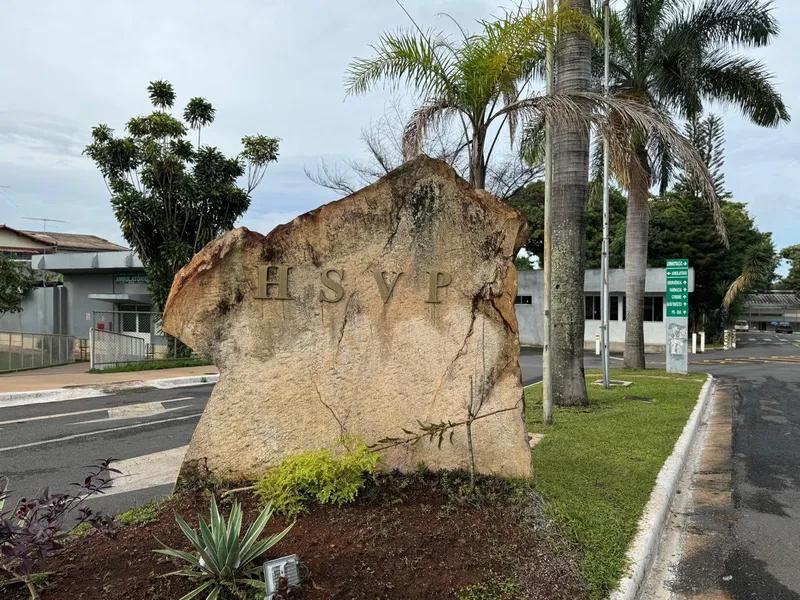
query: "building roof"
69, 241
781, 298
87, 262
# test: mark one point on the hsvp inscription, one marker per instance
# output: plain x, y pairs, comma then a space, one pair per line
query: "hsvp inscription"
273, 284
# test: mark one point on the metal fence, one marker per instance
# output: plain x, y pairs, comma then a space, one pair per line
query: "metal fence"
34, 350
139, 322
109, 349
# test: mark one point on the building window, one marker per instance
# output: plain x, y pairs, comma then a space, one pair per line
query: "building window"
523, 300
592, 308
613, 308
653, 308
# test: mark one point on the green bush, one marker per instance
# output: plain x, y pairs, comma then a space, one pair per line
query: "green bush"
325, 476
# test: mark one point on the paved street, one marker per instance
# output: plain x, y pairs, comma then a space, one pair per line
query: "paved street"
764, 372
735, 531
51, 444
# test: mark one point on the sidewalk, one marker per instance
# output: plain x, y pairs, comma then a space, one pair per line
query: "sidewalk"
76, 375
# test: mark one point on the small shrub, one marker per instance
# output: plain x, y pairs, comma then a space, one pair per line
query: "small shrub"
325, 476
499, 589
35, 528
224, 564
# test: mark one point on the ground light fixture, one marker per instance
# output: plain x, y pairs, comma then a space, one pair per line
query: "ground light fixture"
282, 575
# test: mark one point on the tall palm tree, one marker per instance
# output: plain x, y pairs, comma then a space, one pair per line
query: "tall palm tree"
481, 80
677, 55
570, 177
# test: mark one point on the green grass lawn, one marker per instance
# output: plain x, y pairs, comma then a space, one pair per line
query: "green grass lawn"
597, 465
166, 363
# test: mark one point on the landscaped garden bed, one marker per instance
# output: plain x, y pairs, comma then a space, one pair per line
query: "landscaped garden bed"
417, 536
425, 535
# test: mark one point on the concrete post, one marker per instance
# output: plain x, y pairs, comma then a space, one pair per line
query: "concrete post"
597, 344
694, 343
702, 341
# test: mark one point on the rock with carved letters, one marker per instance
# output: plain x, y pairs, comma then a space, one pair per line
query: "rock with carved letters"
385, 315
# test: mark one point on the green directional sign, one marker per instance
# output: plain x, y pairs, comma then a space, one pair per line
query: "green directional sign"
677, 297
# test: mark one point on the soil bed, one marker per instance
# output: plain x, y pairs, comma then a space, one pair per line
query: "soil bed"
418, 536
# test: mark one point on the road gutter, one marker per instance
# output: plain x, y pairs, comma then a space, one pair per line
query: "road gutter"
643, 549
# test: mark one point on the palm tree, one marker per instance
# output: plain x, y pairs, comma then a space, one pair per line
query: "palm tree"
199, 113
481, 80
570, 177
675, 56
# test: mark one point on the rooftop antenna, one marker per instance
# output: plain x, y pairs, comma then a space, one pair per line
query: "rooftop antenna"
44, 221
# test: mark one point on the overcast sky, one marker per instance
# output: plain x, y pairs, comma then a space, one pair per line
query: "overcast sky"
268, 66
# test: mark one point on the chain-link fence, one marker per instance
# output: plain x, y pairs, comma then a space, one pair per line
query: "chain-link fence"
109, 349
139, 322
34, 350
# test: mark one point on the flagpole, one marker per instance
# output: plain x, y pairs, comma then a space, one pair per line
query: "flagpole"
604, 258
547, 383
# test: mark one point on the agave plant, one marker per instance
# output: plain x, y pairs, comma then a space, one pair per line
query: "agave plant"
223, 563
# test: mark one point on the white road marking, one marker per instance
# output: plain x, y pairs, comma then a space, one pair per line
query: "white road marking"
75, 436
148, 471
89, 411
128, 416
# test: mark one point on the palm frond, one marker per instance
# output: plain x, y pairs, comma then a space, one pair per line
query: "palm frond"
405, 57
760, 264
734, 22
425, 116
746, 83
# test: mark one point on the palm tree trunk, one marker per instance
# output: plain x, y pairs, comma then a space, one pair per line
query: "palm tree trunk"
637, 222
568, 224
477, 162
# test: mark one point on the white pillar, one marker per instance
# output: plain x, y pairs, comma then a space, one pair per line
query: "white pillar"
694, 343
597, 344
702, 341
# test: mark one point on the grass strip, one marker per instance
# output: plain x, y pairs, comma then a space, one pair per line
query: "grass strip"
151, 365
597, 464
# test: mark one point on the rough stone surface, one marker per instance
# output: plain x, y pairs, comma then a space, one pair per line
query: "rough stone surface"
300, 373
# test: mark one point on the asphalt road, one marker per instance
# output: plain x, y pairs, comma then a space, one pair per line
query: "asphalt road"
52, 444
764, 370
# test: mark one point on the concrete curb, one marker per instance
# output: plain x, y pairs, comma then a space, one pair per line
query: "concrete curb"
175, 382
643, 548
9, 399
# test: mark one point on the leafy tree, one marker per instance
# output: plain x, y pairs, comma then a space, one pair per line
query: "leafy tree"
708, 136
679, 228
676, 56
792, 279
16, 280
529, 200
171, 198
523, 263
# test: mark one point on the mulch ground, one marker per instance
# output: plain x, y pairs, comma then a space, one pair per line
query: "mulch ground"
420, 536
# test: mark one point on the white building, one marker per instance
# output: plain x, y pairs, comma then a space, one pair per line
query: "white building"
530, 294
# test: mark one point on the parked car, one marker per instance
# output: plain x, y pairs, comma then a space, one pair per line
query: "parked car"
741, 326
784, 327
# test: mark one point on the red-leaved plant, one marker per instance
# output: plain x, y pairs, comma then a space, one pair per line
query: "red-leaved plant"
33, 529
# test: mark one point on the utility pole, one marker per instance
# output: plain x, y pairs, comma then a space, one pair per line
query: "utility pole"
547, 381
604, 258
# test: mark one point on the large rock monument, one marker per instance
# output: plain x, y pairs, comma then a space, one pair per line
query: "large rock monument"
381, 315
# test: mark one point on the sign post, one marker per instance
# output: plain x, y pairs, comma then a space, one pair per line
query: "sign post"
677, 315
